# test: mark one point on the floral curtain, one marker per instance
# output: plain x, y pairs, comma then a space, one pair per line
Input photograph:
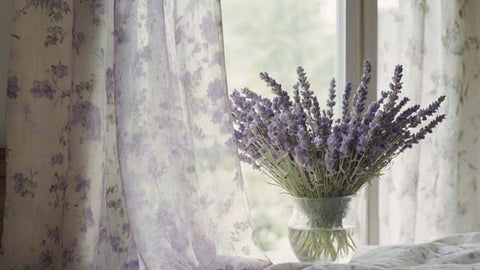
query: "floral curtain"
120, 154
433, 190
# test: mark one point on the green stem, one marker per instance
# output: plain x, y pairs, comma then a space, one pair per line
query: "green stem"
322, 245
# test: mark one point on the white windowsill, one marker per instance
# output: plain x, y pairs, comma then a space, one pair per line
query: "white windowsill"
281, 256
287, 256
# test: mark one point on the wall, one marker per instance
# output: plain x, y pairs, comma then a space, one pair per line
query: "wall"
5, 24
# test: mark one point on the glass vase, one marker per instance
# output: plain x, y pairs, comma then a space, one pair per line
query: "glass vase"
324, 230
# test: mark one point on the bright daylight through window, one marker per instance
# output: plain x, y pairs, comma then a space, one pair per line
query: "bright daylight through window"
276, 36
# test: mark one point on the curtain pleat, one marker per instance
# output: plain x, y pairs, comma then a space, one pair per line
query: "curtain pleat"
119, 140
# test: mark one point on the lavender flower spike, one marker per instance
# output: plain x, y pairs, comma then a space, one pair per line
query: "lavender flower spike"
276, 87
309, 154
331, 99
307, 94
346, 102
303, 148
431, 109
395, 87
362, 91
420, 135
333, 146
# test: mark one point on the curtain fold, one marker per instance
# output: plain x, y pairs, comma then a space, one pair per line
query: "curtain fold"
432, 190
119, 140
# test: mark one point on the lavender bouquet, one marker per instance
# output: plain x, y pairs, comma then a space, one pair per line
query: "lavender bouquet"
309, 154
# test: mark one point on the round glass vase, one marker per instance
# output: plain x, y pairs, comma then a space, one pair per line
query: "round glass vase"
324, 230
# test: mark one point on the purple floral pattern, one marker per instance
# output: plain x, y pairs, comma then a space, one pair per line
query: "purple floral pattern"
12, 87
55, 35
42, 89
431, 191
59, 70
24, 185
87, 115
97, 10
55, 9
115, 147
82, 186
57, 159
62, 169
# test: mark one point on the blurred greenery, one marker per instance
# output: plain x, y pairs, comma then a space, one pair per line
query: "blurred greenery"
276, 36
270, 209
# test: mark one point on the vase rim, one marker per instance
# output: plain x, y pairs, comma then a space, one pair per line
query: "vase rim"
325, 198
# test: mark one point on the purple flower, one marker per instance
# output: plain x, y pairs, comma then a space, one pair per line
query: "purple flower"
56, 35
116, 243
303, 138
276, 87
277, 132
126, 228
404, 116
282, 96
299, 115
362, 143
88, 116
207, 29
431, 109
69, 253
362, 90
318, 142
331, 100
346, 102
87, 220
131, 265
370, 114
302, 157
54, 234
97, 9
332, 155
12, 87
42, 89
395, 87
315, 115
82, 185
304, 146
102, 235
215, 90
270, 133
349, 138
420, 135
46, 258
24, 185
59, 70
57, 159
306, 93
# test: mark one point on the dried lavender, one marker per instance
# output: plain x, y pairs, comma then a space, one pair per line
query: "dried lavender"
346, 101
309, 154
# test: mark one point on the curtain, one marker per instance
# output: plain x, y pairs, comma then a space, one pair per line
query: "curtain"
433, 190
119, 140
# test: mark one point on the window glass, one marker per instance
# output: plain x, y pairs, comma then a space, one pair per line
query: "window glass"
277, 36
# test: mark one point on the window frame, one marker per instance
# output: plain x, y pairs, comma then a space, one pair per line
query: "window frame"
356, 40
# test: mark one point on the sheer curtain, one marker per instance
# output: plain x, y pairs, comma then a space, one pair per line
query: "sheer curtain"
120, 152
433, 190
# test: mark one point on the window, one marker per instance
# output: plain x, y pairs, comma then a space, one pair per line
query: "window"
276, 36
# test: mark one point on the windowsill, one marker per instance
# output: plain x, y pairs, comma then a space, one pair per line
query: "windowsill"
281, 256
287, 256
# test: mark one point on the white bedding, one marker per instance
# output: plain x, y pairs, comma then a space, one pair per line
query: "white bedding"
454, 252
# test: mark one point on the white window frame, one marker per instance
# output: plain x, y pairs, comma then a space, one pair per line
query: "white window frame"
356, 41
